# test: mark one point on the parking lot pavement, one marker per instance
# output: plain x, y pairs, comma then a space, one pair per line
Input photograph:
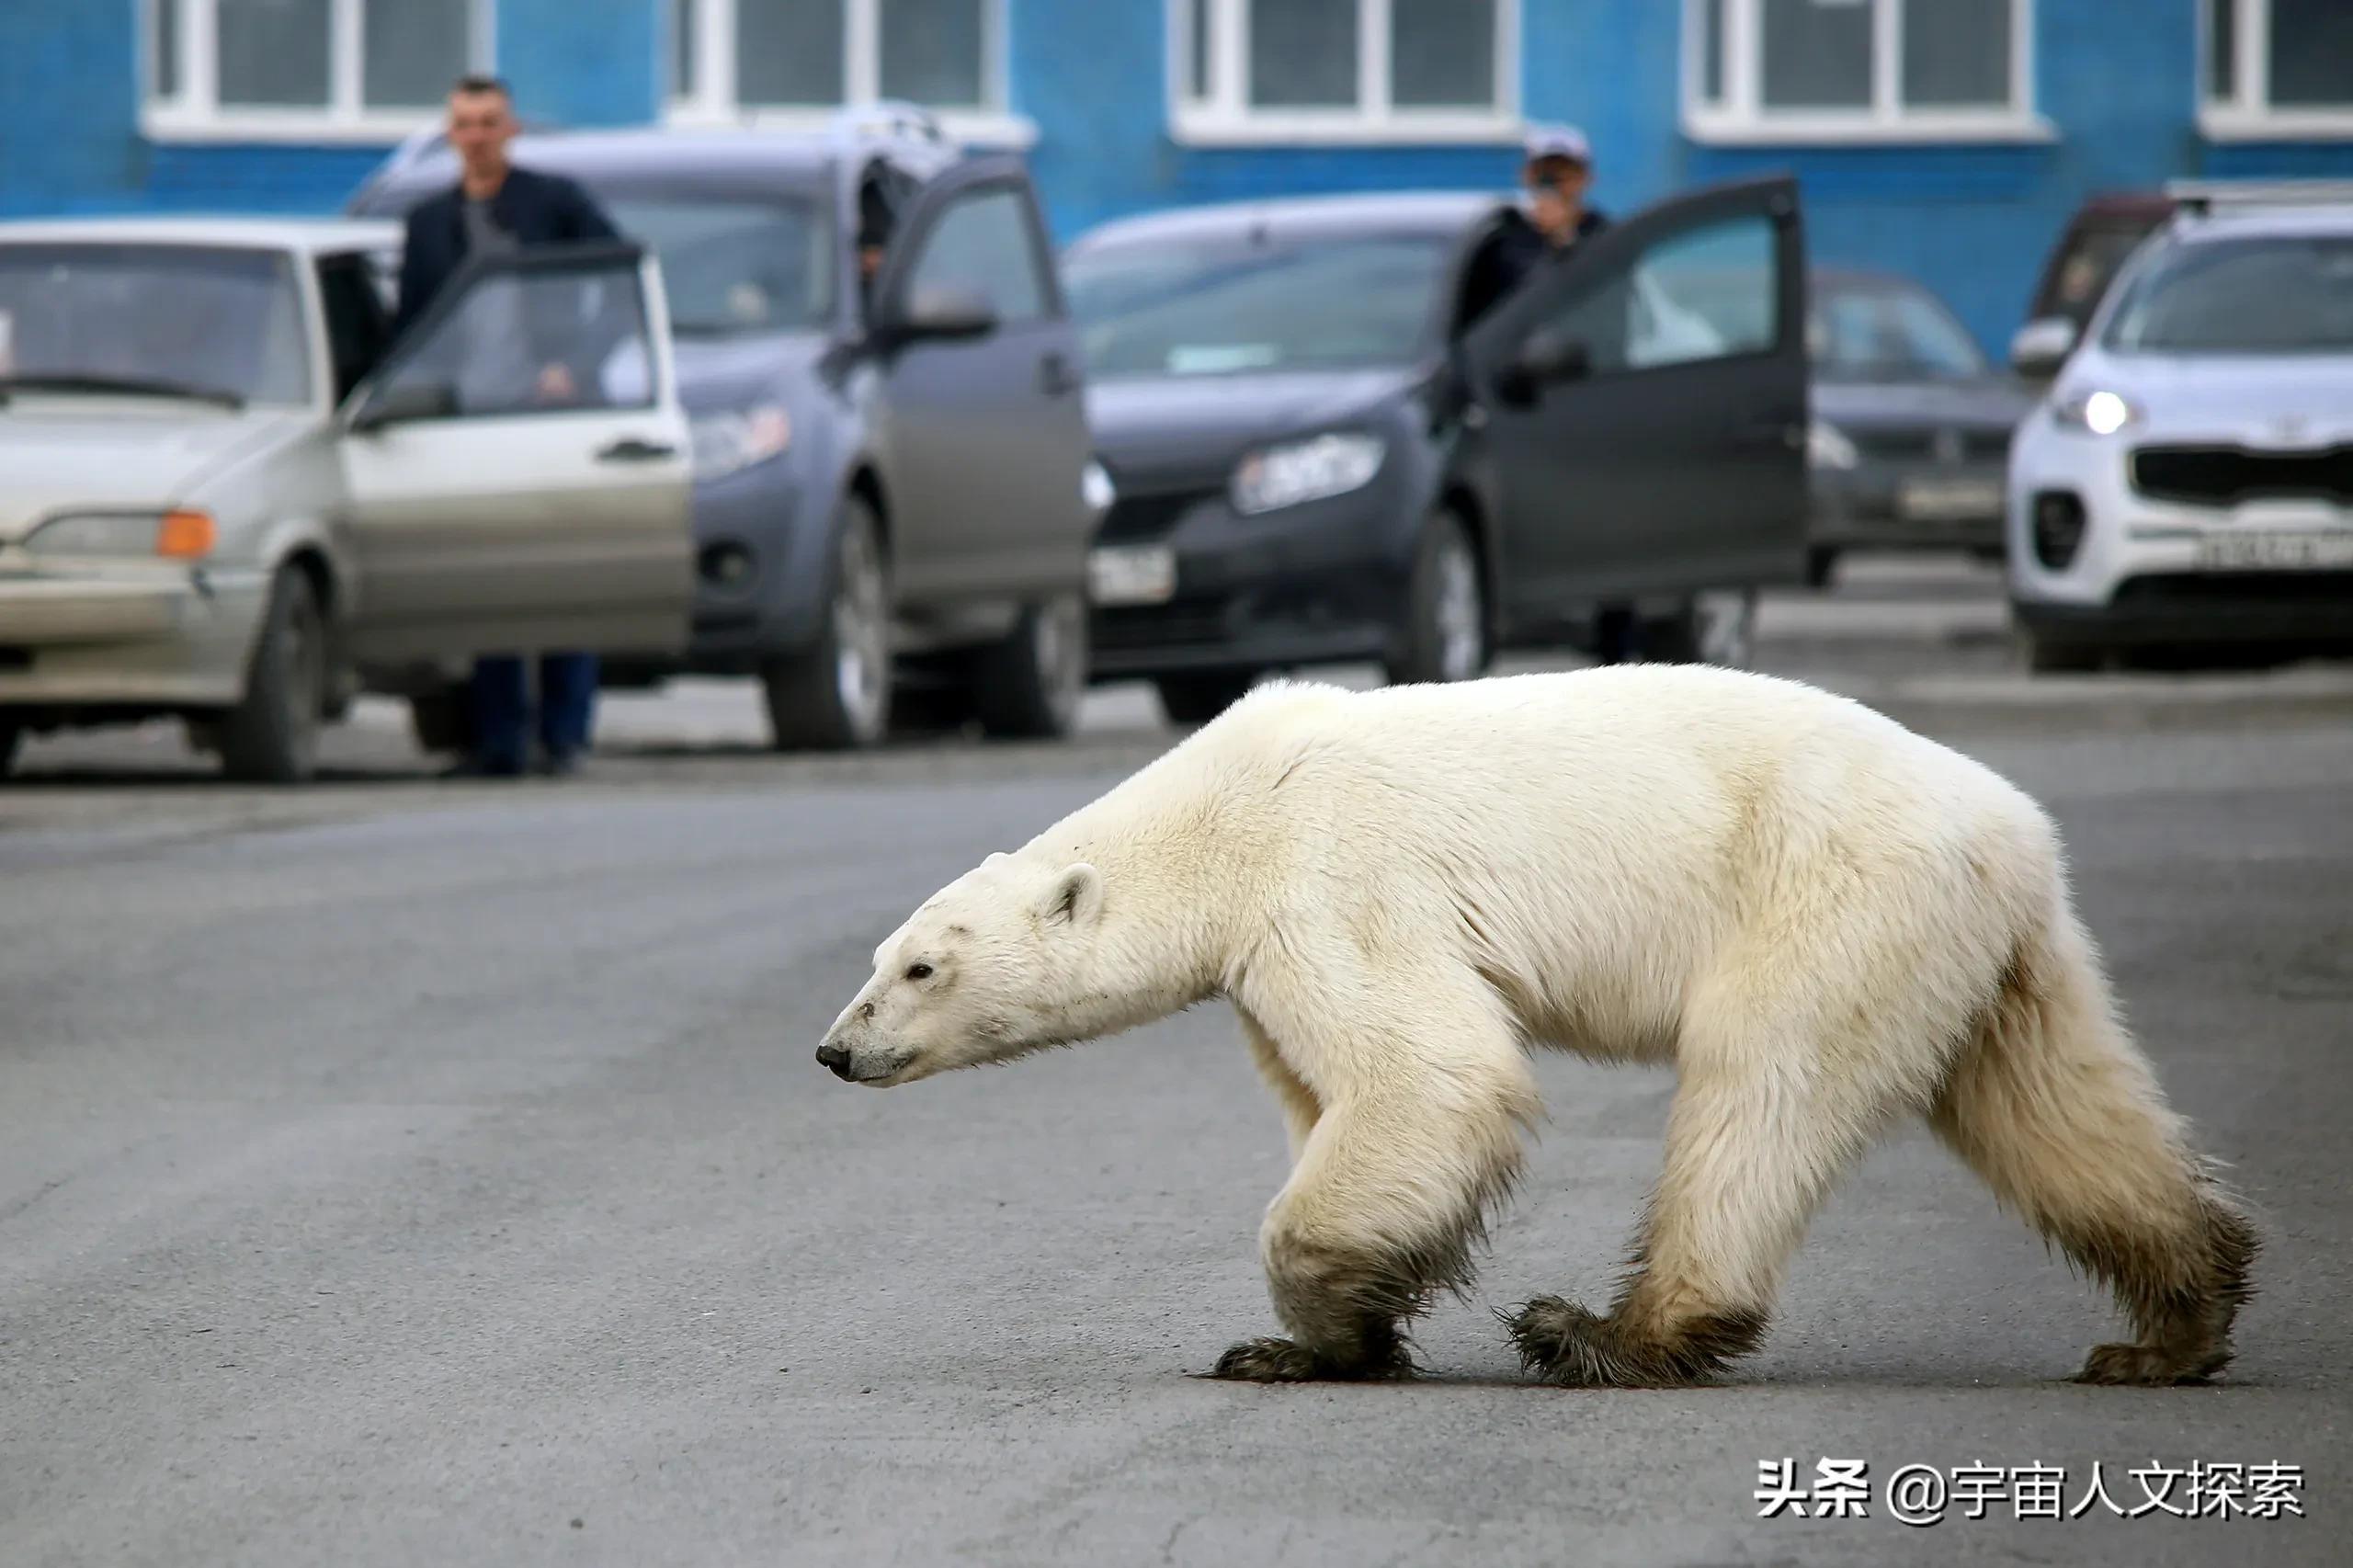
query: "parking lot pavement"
393, 1174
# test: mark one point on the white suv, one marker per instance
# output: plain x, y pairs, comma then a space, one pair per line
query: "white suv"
2186, 489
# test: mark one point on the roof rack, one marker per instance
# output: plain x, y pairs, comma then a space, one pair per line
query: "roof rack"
887, 117
2205, 196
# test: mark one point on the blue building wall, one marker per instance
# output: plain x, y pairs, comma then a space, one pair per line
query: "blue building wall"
2115, 77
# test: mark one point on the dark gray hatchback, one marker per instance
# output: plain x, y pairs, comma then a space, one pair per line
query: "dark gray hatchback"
1329, 445
891, 477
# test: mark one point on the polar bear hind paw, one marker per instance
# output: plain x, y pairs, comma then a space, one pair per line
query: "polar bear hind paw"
1569, 1345
1273, 1360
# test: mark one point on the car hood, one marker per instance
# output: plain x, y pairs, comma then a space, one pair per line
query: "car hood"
61, 455
1172, 426
731, 372
1976, 404
2287, 400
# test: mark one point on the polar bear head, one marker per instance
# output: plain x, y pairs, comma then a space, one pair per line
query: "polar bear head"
999, 963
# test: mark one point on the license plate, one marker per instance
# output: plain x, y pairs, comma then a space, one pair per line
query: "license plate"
1950, 500
2275, 551
1133, 574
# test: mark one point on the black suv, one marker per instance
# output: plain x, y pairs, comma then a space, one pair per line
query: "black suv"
892, 469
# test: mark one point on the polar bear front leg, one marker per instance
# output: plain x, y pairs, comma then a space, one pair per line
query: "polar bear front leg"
1417, 1135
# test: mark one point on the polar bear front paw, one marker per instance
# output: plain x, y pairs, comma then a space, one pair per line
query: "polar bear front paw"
1575, 1347
1273, 1360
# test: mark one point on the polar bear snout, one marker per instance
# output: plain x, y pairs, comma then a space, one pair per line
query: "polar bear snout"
836, 1058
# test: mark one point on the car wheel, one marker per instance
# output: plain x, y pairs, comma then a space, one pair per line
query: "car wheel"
1821, 566
12, 735
1198, 698
1030, 685
1714, 627
2045, 657
835, 696
1445, 636
271, 736
442, 722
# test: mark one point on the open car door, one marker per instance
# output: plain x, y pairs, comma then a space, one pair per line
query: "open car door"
515, 473
1644, 406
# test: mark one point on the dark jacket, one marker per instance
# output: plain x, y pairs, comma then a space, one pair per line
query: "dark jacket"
537, 209
1517, 250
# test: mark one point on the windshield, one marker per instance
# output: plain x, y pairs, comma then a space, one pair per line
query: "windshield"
1887, 333
211, 321
2273, 294
1223, 306
736, 265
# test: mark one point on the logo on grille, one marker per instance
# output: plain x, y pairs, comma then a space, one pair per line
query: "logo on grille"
1947, 446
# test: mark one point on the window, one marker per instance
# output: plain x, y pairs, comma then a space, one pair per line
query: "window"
1258, 70
1711, 292
1860, 70
222, 321
787, 58
984, 245
366, 68
2276, 68
536, 340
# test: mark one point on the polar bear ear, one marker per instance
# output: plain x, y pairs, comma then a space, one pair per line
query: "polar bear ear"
1075, 898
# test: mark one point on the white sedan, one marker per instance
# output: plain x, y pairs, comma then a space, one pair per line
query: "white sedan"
2186, 490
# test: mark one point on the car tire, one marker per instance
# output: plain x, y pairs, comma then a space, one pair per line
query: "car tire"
1445, 636
271, 736
1821, 566
12, 736
2046, 657
1198, 698
1718, 626
1029, 685
835, 694
442, 721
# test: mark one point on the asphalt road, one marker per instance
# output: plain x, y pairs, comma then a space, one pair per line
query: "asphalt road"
394, 1173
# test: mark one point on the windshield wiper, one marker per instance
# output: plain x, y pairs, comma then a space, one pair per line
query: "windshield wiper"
136, 386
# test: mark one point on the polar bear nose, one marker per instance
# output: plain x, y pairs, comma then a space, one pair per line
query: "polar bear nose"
835, 1058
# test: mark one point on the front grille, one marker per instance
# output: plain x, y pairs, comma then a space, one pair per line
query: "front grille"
1139, 518
2224, 476
1931, 445
1178, 623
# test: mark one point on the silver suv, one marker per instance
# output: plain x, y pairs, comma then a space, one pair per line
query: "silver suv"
226, 496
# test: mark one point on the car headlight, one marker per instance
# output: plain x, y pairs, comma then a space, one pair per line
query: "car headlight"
2100, 412
1095, 486
1826, 445
169, 536
1311, 470
734, 439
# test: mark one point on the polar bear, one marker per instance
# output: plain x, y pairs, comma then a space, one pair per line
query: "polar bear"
1821, 920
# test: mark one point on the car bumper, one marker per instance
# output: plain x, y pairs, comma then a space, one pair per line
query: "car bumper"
134, 635
2150, 570
1322, 583
1926, 505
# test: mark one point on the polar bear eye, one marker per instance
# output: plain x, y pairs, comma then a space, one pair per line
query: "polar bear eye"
918, 972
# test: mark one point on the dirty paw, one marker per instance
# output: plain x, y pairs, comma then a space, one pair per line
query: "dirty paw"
1283, 1361
2147, 1366
1567, 1343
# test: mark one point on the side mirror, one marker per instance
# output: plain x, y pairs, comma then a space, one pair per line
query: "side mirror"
405, 403
944, 313
1546, 359
2042, 346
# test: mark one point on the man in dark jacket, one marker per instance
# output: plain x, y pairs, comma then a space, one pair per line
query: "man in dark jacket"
495, 206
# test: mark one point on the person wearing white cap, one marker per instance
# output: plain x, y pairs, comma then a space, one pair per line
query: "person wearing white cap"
1557, 166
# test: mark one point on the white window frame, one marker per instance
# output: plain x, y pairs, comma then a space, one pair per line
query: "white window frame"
2245, 114
713, 101
195, 113
1742, 118
1224, 117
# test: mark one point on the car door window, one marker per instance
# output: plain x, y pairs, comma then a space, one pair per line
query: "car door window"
1702, 293
983, 244
541, 339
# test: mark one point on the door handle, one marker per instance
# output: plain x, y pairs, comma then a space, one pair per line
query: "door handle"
1054, 377
635, 450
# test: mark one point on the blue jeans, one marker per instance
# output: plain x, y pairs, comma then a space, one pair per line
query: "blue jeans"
501, 705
